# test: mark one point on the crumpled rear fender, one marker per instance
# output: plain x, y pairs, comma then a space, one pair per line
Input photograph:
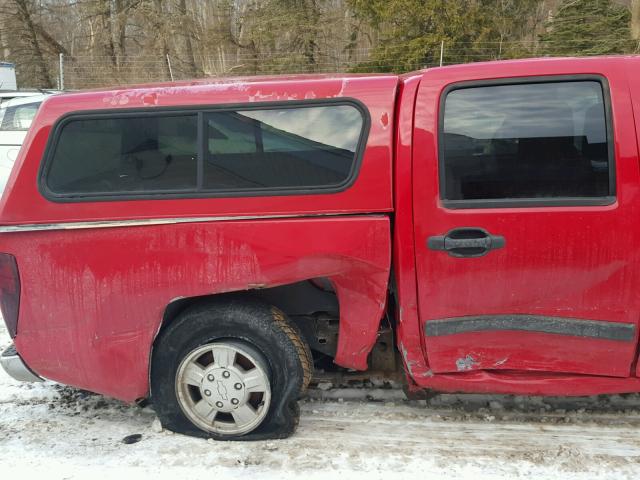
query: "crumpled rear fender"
93, 299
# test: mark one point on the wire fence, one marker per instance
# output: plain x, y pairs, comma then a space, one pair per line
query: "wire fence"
77, 72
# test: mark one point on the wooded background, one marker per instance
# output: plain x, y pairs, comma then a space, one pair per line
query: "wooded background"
106, 42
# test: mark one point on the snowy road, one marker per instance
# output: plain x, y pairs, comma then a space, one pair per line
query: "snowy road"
60, 432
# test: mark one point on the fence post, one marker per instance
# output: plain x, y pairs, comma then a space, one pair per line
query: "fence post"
61, 72
441, 52
170, 69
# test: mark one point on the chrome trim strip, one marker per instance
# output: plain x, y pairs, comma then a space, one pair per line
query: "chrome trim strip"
575, 327
35, 227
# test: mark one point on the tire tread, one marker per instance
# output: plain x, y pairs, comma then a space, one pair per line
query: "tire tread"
304, 352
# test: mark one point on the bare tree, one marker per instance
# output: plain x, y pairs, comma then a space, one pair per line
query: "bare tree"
635, 19
123, 41
25, 29
186, 27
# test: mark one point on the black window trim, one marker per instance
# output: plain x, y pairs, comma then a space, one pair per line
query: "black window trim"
200, 111
529, 202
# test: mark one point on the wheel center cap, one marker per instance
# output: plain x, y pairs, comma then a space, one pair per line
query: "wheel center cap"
222, 388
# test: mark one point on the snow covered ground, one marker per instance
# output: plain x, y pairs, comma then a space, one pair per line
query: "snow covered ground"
59, 432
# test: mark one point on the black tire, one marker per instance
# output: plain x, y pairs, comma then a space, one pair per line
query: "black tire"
242, 319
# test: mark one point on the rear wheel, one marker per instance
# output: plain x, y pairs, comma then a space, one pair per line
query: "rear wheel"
224, 388
230, 368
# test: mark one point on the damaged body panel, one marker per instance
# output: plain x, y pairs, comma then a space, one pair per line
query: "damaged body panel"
554, 295
112, 286
493, 244
115, 263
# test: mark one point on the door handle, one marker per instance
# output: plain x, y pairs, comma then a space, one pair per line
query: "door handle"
466, 242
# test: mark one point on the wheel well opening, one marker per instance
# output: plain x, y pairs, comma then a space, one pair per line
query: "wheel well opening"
311, 304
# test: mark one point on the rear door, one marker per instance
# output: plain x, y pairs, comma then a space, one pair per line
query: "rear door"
526, 217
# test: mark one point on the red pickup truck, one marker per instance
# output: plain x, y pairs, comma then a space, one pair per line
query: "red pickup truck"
206, 244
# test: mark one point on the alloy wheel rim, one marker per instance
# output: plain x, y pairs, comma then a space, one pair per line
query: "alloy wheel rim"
223, 387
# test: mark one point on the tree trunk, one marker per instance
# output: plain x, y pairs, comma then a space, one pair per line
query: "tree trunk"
32, 37
163, 32
191, 59
311, 17
635, 19
107, 28
120, 32
57, 46
4, 47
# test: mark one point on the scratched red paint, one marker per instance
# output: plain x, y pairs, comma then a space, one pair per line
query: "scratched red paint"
384, 119
579, 262
93, 299
370, 193
110, 287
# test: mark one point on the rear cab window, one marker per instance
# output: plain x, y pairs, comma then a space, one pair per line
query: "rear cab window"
19, 117
264, 150
528, 143
14, 123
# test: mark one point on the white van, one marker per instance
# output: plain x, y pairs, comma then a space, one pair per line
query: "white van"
16, 116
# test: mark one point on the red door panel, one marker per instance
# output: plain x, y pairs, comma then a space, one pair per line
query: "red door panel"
559, 294
633, 76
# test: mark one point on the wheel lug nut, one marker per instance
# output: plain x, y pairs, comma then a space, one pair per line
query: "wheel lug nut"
207, 393
219, 404
234, 401
238, 386
226, 374
210, 378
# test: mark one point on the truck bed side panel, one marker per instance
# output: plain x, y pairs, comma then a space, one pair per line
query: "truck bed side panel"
93, 299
